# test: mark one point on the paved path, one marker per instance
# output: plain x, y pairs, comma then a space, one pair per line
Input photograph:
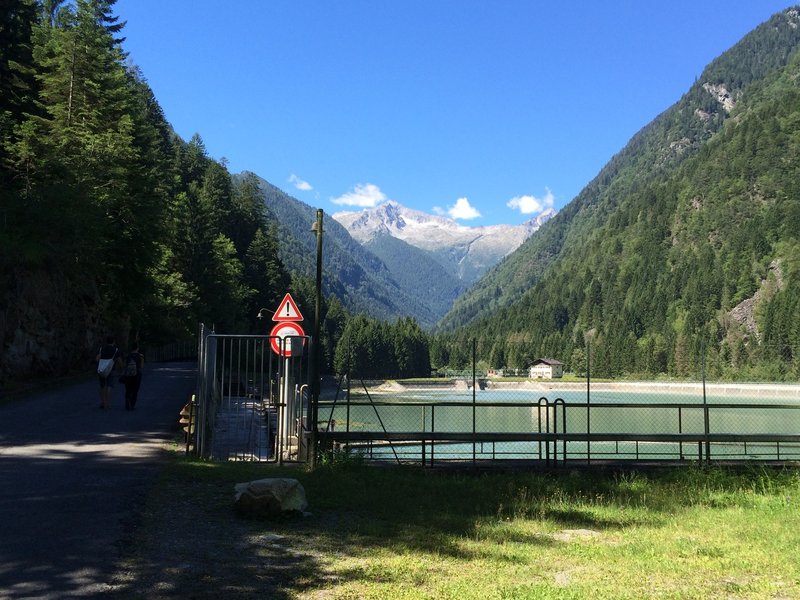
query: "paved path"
72, 476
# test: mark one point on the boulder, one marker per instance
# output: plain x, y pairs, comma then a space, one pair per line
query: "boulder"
270, 497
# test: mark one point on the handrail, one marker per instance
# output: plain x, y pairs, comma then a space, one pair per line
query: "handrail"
556, 403
659, 405
527, 436
544, 402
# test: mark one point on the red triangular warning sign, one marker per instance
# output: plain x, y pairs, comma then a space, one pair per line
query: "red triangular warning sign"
287, 310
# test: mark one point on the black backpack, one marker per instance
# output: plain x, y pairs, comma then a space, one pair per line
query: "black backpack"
132, 368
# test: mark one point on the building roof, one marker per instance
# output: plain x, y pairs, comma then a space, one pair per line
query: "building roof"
546, 361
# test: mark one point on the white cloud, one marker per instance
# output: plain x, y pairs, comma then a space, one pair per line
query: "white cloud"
528, 205
462, 209
365, 195
301, 185
438, 210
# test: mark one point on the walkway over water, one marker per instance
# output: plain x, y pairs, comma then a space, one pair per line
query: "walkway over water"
244, 430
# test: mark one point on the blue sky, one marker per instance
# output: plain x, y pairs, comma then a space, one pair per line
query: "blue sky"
487, 111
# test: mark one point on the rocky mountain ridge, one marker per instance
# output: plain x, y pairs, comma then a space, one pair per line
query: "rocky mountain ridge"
465, 251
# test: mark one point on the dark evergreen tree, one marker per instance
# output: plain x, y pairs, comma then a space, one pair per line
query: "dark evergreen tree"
264, 275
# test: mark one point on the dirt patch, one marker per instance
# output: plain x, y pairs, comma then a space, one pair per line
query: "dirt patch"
571, 535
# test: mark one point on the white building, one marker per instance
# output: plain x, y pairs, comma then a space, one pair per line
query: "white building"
546, 368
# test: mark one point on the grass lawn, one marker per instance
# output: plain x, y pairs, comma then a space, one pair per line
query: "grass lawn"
378, 532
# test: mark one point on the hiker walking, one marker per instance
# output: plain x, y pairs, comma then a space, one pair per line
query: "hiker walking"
134, 363
107, 357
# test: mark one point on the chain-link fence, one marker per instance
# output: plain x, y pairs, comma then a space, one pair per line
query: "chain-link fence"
557, 412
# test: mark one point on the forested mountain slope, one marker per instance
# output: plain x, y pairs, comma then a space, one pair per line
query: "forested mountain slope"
110, 224
652, 154
351, 272
689, 237
417, 272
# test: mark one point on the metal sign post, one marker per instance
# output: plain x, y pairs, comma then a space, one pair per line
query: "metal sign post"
286, 340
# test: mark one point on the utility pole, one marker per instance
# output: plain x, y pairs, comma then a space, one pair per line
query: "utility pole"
315, 358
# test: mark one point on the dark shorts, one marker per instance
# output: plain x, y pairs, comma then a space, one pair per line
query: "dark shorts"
106, 381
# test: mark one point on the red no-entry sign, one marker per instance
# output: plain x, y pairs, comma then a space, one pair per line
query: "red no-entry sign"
280, 337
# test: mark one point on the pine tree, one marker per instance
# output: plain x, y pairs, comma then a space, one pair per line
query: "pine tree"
264, 274
333, 326
247, 213
17, 91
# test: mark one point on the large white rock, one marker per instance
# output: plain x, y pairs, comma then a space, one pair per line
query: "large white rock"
270, 497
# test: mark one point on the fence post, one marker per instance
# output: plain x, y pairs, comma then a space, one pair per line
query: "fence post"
474, 429
433, 429
424, 428
588, 400
706, 423
349, 377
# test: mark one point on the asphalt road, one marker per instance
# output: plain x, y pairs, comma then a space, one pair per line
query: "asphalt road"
71, 479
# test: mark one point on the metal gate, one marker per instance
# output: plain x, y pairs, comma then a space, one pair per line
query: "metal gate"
252, 402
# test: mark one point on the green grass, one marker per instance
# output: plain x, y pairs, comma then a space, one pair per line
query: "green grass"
378, 532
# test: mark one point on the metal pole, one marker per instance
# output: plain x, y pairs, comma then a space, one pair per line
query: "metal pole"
422, 447
317, 347
705, 400
588, 400
287, 405
433, 428
474, 346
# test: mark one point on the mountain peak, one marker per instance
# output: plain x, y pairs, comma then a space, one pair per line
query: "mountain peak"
467, 251
391, 217
532, 225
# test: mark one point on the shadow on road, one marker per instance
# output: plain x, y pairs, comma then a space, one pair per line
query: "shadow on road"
73, 476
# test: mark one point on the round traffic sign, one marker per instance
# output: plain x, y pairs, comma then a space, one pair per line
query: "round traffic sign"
280, 337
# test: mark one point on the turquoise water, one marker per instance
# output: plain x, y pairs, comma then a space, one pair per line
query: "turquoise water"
500, 411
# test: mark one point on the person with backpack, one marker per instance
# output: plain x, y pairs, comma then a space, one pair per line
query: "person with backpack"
107, 357
132, 377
